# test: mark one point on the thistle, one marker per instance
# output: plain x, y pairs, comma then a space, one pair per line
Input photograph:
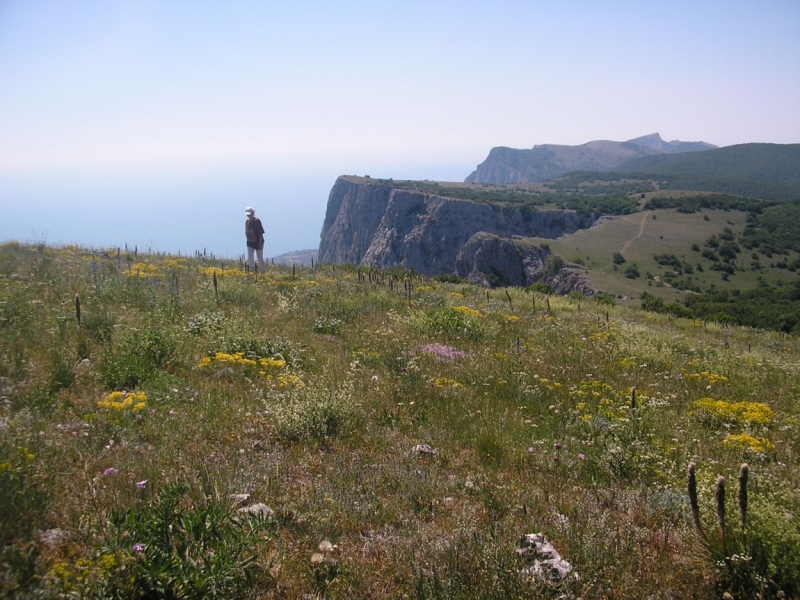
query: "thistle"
691, 488
744, 473
216, 292
720, 497
633, 397
78, 309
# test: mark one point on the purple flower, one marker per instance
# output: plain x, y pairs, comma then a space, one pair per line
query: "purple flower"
137, 547
531, 449
581, 457
441, 352
557, 446
110, 471
141, 484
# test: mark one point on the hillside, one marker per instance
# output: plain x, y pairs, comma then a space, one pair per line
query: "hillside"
549, 161
767, 171
174, 427
772, 163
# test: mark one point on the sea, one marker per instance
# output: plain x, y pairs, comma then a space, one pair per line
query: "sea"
178, 210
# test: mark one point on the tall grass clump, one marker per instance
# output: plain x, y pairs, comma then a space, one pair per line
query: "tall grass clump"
172, 547
760, 555
316, 411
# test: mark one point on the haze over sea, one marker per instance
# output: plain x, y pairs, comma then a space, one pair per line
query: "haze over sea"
155, 124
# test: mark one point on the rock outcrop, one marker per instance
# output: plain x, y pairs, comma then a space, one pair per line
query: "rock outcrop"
381, 225
549, 161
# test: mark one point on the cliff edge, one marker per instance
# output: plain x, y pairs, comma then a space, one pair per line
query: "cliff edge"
384, 225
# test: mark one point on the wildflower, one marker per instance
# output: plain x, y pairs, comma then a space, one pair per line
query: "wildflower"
110, 471
581, 457
141, 484
441, 352
138, 547
468, 312
531, 449
557, 446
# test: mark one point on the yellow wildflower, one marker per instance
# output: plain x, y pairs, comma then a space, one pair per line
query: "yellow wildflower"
468, 312
754, 413
748, 442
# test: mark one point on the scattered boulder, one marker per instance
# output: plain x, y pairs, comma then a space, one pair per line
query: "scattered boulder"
544, 561
257, 510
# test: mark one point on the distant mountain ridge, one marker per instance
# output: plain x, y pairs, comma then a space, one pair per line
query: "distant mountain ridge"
766, 171
773, 163
550, 161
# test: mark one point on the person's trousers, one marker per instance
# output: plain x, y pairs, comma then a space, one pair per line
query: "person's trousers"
251, 262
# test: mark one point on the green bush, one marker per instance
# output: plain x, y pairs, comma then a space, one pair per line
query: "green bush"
602, 298
312, 412
541, 287
632, 272
136, 358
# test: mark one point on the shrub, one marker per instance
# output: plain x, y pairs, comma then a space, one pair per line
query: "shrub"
618, 258
311, 412
602, 298
632, 272
135, 359
447, 278
541, 287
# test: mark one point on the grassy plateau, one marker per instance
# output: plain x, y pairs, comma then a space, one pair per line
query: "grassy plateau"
390, 436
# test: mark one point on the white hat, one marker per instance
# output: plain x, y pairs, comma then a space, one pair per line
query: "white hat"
249, 210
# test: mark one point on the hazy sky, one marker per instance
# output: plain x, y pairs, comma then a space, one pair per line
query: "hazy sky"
158, 122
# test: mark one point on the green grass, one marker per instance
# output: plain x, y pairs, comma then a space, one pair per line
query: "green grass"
670, 232
251, 391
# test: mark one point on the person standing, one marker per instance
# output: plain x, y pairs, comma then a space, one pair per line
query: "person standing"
254, 231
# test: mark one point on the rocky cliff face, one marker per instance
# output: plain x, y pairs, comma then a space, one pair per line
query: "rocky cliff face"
379, 225
549, 161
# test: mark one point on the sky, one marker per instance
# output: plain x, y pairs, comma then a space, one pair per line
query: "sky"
156, 123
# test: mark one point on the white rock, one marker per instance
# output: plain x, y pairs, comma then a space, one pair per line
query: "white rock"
423, 449
544, 561
259, 509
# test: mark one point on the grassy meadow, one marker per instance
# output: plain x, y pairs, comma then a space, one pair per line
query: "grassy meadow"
142, 397
640, 236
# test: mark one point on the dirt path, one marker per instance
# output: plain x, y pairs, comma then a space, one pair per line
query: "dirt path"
641, 231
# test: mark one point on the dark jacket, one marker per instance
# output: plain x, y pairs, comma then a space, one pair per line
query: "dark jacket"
254, 231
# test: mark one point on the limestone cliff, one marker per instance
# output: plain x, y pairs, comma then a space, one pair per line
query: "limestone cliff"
382, 225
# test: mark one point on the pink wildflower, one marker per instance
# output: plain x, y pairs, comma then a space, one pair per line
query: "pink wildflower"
141, 484
110, 471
